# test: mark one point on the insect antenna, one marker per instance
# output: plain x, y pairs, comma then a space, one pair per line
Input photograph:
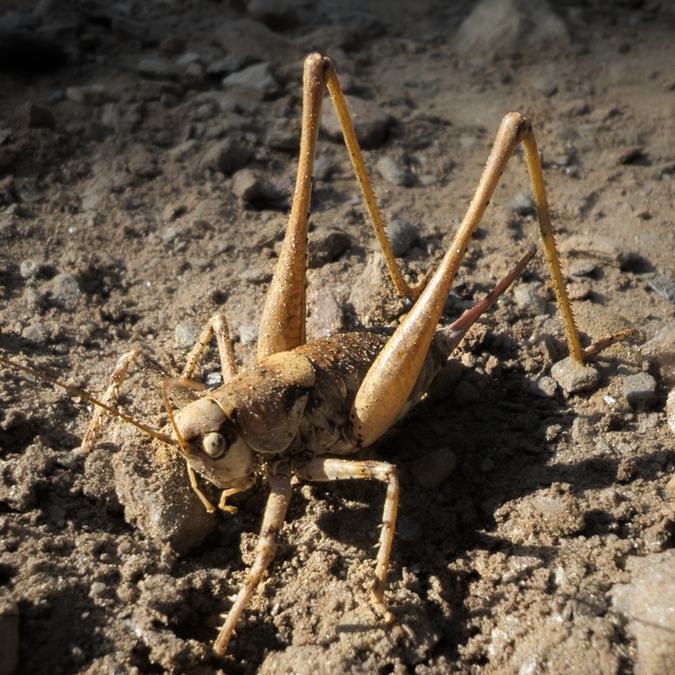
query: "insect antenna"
76, 392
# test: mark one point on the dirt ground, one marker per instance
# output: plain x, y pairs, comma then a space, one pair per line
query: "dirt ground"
139, 193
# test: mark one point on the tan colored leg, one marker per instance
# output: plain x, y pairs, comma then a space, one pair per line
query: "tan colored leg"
273, 520
282, 325
390, 379
338, 98
329, 469
109, 397
217, 325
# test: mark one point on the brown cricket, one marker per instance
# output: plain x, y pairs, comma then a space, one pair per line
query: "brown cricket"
303, 406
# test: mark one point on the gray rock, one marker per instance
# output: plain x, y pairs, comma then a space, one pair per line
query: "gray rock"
277, 14
647, 603
226, 156
28, 268
582, 267
182, 151
433, 469
402, 236
92, 94
31, 116
661, 348
529, 297
545, 386
283, 136
187, 59
229, 64
326, 316
168, 234
508, 26
546, 85
327, 246
154, 490
670, 410
256, 191
523, 205
194, 73
574, 377
186, 334
251, 39
663, 286
157, 68
371, 123
248, 333
393, 171
639, 389
259, 77
596, 247
65, 290
9, 633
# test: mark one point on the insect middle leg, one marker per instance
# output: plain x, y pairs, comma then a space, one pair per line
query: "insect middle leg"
330, 469
279, 478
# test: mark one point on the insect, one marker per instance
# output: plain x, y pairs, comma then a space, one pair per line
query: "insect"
304, 406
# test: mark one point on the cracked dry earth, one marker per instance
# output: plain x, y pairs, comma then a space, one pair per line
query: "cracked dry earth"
146, 167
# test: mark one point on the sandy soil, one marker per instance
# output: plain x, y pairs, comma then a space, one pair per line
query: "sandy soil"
136, 198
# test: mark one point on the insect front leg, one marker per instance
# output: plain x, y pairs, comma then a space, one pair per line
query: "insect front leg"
330, 469
216, 325
279, 478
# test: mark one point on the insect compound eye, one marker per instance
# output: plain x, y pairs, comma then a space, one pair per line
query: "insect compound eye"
214, 444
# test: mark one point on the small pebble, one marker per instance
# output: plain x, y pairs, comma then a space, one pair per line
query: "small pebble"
226, 156
581, 267
574, 377
214, 379
248, 333
545, 386
434, 468
258, 77
523, 204
647, 603
257, 192
670, 410
402, 236
371, 123
393, 172
327, 247
93, 94
529, 297
28, 268
65, 290
157, 67
639, 389
186, 334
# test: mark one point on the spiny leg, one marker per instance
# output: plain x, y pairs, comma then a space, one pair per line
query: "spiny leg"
109, 397
282, 325
329, 469
356, 156
273, 520
217, 325
391, 378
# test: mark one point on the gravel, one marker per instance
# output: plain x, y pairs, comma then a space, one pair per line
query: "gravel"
574, 377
